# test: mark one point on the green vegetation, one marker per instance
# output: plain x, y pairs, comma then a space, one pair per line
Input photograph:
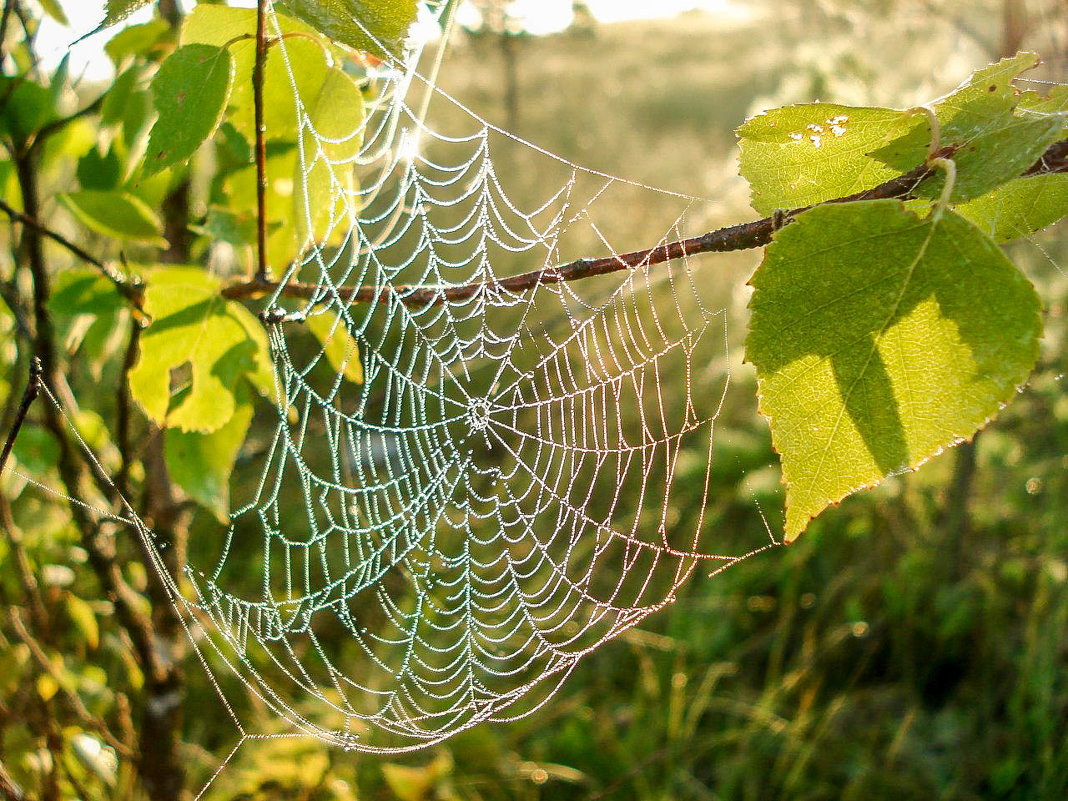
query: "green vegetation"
912, 645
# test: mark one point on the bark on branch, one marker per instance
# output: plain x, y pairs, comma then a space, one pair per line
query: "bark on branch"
736, 237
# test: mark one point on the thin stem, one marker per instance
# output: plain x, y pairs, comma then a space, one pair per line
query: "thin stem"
128, 289
262, 269
123, 409
949, 166
33, 389
736, 237
745, 236
5, 17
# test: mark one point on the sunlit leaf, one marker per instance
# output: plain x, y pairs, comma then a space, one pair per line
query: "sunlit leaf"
47, 686
325, 174
1056, 103
204, 343
993, 143
800, 155
84, 619
137, 40
339, 347
118, 10
53, 9
377, 26
116, 214
190, 92
201, 464
880, 339
303, 61
1020, 207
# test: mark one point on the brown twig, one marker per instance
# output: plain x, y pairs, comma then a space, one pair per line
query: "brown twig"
9, 791
262, 270
736, 237
128, 289
33, 389
745, 236
123, 416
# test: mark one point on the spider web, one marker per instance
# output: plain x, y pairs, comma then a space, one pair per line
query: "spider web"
443, 542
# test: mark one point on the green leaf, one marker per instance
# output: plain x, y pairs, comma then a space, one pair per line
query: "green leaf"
84, 291
118, 10
223, 225
328, 181
115, 100
118, 215
339, 347
190, 92
201, 464
99, 172
305, 55
84, 619
1020, 207
993, 143
137, 40
205, 343
88, 309
1034, 104
377, 26
801, 155
880, 339
53, 9
25, 107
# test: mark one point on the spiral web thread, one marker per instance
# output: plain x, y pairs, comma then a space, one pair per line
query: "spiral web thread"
442, 543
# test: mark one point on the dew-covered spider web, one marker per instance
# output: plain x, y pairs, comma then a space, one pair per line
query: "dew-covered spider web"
469, 489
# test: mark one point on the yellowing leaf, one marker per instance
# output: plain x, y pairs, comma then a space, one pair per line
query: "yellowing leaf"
84, 619
47, 687
204, 343
339, 347
881, 339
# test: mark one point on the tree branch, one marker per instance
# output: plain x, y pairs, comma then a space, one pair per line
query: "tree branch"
736, 237
33, 389
48, 666
128, 289
262, 269
745, 236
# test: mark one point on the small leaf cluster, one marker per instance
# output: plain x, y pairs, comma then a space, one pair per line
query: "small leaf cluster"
884, 332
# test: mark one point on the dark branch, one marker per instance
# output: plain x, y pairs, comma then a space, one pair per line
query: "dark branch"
736, 237
128, 289
33, 389
261, 144
745, 236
